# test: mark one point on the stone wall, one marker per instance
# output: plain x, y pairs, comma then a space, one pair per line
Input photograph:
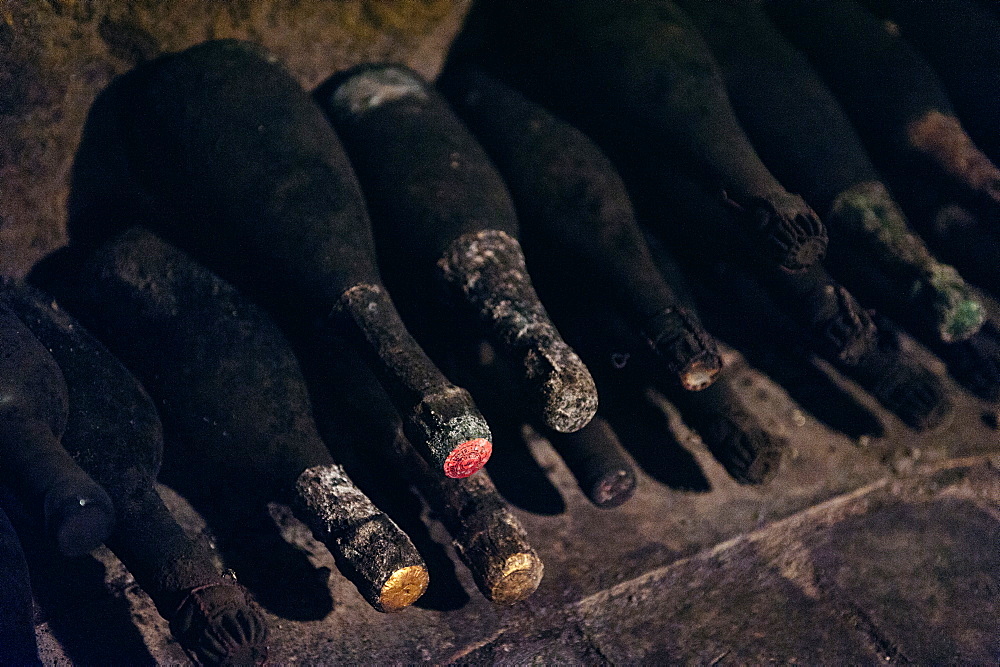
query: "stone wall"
57, 55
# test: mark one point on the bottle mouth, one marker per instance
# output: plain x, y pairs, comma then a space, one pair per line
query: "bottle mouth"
403, 588
701, 372
569, 395
613, 489
80, 523
801, 255
792, 232
468, 458
518, 578
218, 624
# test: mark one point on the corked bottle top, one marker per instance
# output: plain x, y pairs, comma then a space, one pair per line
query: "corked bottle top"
488, 267
442, 215
368, 546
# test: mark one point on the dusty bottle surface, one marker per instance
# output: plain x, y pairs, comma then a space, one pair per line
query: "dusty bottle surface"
573, 209
487, 536
836, 324
114, 433
639, 78
233, 399
961, 40
444, 221
225, 135
803, 135
33, 412
891, 94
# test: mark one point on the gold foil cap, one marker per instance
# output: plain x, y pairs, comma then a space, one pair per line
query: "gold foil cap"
403, 588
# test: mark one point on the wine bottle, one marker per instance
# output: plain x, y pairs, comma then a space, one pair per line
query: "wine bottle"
975, 361
961, 41
891, 94
17, 627
625, 370
442, 216
225, 135
962, 236
487, 536
804, 137
232, 397
901, 382
637, 77
739, 438
838, 328
668, 201
828, 318
113, 432
33, 404
573, 209
598, 461
895, 377
594, 454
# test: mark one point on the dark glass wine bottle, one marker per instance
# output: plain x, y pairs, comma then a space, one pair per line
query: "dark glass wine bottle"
33, 404
961, 40
224, 135
803, 135
637, 77
598, 461
17, 625
890, 92
681, 209
488, 538
443, 218
574, 210
830, 321
735, 436
113, 431
232, 397
893, 375
594, 454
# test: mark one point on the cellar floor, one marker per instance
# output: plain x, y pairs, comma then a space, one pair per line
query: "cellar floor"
859, 551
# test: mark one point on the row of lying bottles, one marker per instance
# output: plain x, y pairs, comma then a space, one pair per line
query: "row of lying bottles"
235, 242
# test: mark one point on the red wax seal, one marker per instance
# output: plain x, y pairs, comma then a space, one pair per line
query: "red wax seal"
468, 458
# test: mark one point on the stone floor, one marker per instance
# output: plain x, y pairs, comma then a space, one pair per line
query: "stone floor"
863, 551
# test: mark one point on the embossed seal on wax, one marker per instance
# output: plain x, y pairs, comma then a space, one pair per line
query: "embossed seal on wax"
468, 458
792, 232
215, 628
488, 268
